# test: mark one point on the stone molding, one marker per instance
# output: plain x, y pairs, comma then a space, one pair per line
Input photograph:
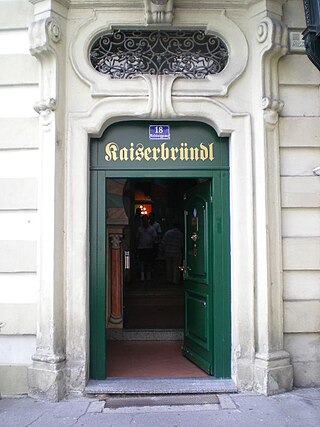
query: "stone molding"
237, 126
273, 371
43, 34
272, 34
49, 358
103, 85
46, 376
158, 11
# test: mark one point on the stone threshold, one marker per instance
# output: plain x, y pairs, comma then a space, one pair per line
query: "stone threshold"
156, 386
144, 334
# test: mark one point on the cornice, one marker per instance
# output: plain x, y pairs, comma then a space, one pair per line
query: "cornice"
65, 3
139, 4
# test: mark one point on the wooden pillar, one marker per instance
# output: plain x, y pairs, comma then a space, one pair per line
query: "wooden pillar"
116, 279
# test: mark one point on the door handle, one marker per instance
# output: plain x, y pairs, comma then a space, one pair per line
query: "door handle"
184, 269
194, 237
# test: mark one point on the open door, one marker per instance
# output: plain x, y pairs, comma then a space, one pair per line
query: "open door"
198, 287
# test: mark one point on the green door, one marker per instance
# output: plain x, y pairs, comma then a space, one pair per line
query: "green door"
198, 277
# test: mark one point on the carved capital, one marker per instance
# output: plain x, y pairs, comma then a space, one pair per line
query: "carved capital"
45, 108
274, 33
273, 37
158, 11
116, 241
42, 34
272, 108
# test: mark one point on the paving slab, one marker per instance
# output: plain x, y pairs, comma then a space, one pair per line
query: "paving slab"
299, 408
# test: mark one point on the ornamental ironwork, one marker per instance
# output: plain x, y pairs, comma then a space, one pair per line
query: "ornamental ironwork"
126, 53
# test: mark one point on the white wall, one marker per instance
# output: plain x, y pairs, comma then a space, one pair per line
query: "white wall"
300, 153
18, 195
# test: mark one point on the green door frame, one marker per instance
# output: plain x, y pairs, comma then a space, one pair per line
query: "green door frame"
221, 313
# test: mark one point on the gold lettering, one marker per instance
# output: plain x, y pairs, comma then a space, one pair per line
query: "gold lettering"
123, 153
139, 152
174, 151
203, 152
194, 153
211, 151
155, 152
111, 151
147, 152
131, 150
184, 151
164, 152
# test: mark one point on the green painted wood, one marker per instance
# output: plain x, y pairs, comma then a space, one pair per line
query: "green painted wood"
97, 293
192, 145
211, 329
198, 336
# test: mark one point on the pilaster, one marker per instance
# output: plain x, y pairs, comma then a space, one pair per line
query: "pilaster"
116, 278
47, 374
273, 371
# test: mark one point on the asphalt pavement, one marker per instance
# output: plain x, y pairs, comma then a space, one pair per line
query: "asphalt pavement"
299, 408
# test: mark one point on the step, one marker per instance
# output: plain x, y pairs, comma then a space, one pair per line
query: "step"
156, 386
145, 334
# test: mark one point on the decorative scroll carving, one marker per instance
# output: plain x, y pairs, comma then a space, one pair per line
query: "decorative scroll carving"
54, 30
192, 54
41, 32
272, 108
45, 109
274, 35
158, 11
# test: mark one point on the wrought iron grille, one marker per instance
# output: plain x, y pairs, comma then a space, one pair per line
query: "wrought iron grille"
125, 53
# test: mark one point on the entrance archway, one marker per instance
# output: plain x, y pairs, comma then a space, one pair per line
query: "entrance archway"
226, 123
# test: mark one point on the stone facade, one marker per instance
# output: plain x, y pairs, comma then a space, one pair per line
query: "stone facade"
267, 102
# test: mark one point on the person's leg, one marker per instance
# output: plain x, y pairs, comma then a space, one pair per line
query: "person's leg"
142, 263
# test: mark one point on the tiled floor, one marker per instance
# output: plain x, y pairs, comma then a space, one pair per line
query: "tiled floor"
151, 359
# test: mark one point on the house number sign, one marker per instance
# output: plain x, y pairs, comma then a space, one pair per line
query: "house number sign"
159, 132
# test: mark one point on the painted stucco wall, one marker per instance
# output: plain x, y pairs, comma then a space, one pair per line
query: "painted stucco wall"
299, 129
300, 154
19, 165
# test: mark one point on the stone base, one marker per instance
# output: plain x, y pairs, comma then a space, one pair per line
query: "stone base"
46, 381
273, 373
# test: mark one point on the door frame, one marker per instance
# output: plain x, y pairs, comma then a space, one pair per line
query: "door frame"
221, 309
84, 125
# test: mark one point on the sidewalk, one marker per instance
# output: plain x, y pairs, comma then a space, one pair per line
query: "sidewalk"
299, 408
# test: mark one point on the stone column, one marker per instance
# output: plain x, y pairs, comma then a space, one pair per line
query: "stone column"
46, 376
273, 371
116, 279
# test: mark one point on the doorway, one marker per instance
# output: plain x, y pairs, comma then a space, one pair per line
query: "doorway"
148, 340
200, 301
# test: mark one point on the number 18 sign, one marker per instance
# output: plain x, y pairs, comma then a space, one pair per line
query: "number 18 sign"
159, 132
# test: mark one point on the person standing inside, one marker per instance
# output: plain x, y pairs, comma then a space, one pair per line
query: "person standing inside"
172, 244
157, 229
146, 236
